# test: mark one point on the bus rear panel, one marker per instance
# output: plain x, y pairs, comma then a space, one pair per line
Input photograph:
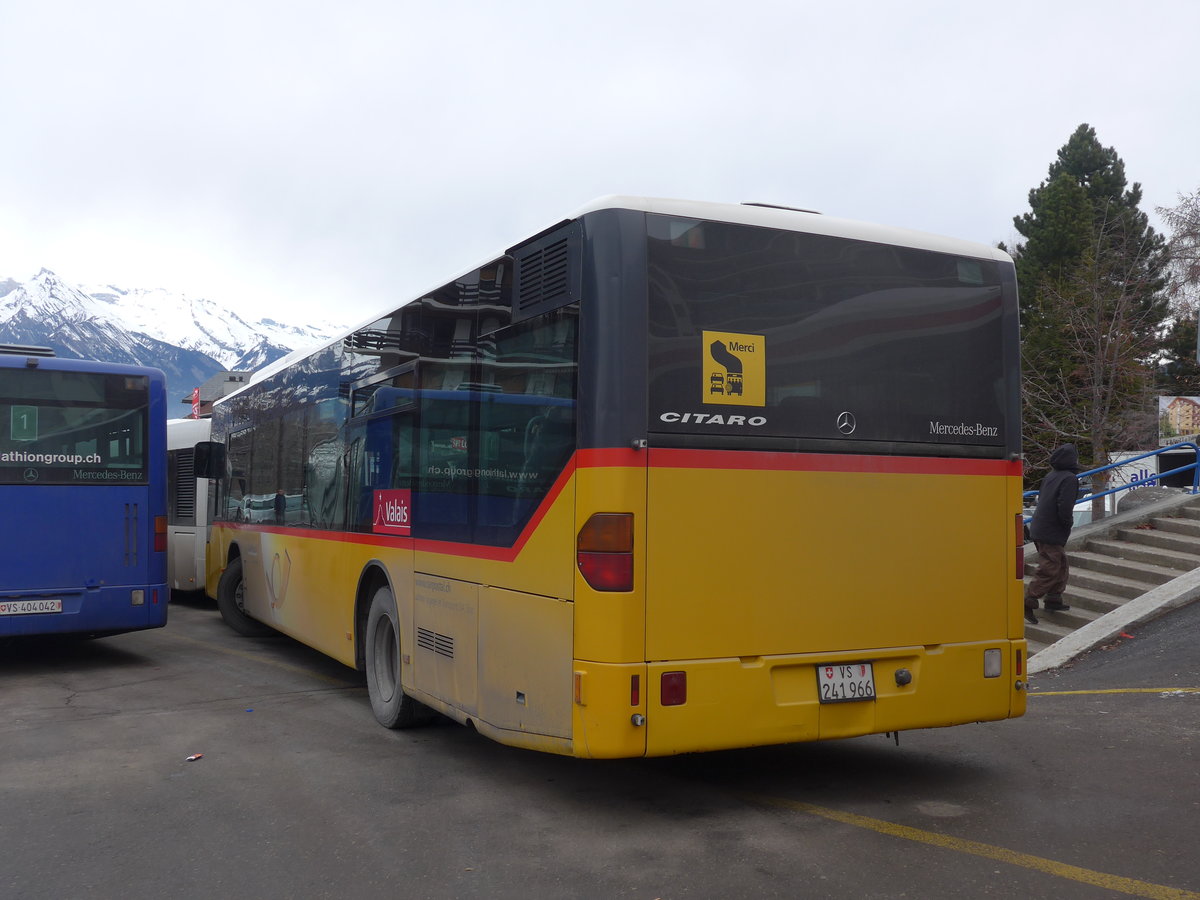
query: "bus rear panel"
83, 494
187, 506
826, 498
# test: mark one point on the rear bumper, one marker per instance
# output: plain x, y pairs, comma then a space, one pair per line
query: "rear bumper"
108, 610
774, 700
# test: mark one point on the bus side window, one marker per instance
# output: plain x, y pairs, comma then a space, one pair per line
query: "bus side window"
237, 460
549, 441
378, 457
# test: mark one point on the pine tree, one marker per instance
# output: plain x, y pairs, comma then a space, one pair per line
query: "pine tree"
1091, 278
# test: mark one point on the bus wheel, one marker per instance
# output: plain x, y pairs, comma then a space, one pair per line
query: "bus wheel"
230, 601
392, 707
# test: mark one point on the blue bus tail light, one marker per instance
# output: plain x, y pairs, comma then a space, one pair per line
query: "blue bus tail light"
137, 597
604, 551
160, 534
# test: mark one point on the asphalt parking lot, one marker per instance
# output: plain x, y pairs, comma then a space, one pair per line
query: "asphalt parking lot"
296, 792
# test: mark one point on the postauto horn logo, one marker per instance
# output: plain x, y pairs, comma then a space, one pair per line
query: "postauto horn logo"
735, 368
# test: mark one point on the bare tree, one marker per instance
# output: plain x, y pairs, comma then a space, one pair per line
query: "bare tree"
1181, 368
1184, 221
1094, 384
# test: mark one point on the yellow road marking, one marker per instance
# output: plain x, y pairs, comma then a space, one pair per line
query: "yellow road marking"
1000, 854
287, 667
1119, 690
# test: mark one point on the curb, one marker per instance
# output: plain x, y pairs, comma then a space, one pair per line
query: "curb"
1156, 602
1175, 593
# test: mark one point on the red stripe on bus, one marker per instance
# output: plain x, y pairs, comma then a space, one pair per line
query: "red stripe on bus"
610, 457
617, 457
451, 548
475, 551
346, 537
764, 460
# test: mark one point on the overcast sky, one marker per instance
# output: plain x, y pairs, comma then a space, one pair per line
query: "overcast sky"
324, 161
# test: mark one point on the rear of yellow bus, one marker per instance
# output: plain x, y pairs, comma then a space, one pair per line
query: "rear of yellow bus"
822, 489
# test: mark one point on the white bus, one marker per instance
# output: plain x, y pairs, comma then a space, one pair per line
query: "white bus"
187, 505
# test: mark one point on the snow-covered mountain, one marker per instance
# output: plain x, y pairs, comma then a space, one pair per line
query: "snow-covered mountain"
190, 339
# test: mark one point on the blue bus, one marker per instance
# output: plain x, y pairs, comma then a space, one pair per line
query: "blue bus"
83, 496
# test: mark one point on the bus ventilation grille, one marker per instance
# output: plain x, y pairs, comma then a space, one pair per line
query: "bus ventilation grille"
441, 644
543, 275
185, 487
547, 274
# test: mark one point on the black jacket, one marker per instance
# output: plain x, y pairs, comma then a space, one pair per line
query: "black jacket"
1054, 515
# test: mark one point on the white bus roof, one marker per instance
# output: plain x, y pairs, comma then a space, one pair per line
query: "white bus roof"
765, 216
186, 432
789, 219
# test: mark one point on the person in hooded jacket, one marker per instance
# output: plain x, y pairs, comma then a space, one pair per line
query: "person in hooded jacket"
1050, 529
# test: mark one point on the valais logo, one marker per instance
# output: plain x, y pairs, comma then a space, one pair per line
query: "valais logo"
393, 512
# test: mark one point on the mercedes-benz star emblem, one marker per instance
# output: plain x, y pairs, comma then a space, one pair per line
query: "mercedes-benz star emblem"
31, 475
846, 423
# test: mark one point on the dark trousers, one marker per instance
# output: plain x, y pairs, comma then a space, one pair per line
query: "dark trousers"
1050, 579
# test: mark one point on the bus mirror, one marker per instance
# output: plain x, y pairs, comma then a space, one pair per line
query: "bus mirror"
210, 459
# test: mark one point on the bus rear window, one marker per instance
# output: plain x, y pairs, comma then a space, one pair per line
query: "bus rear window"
72, 427
783, 334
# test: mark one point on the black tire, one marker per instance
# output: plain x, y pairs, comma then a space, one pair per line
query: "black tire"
230, 602
392, 707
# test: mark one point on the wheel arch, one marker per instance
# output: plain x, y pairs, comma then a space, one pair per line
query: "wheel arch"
373, 576
232, 552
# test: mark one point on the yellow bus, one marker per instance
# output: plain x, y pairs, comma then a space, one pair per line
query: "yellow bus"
666, 477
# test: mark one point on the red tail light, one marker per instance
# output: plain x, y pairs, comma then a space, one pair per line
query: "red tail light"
673, 689
160, 534
1020, 546
604, 551
635, 690
607, 571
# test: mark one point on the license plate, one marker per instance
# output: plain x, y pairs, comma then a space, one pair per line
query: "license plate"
845, 683
29, 607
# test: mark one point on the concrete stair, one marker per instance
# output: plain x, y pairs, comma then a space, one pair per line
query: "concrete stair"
1117, 560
